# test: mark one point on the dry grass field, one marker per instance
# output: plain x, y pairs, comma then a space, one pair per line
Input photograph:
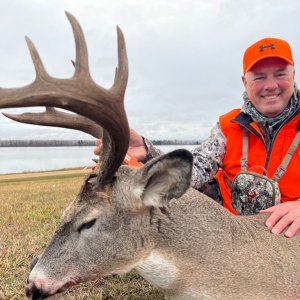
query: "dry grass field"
30, 208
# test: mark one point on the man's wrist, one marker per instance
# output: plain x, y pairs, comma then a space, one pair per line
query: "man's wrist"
151, 151
148, 155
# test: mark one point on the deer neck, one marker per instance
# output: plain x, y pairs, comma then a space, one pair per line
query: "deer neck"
188, 225
195, 231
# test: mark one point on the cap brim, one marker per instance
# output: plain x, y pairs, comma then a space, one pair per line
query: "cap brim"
268, 56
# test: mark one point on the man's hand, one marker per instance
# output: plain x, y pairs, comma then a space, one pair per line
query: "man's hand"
97, 149
136, 146
282, 216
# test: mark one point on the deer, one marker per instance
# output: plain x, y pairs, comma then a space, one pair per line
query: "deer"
145, 218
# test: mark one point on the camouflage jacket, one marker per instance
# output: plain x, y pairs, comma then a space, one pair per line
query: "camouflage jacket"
208, 157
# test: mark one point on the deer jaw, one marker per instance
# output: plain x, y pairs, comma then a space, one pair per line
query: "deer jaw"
111, 231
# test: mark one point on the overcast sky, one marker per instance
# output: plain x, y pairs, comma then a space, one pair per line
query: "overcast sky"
185, 57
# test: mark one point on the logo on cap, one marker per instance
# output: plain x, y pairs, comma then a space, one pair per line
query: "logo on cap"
262, 48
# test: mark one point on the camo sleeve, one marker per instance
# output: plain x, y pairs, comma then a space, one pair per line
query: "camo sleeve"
208, 157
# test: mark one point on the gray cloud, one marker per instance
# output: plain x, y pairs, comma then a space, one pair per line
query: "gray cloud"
184, 56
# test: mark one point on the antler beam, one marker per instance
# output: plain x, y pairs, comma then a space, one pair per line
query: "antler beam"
55, 118
81, 95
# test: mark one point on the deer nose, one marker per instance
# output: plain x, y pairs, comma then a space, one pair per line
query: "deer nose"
34, 293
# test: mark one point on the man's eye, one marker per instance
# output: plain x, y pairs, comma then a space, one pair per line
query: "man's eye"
280, 75
259, 78
87, 225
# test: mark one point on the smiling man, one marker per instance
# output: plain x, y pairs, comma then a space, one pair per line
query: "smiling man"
251, 161
269, 76
270, 85
268, 122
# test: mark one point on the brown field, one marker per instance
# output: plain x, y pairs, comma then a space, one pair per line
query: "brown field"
30, 208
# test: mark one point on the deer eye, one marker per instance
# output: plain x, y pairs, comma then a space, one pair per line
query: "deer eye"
87, 225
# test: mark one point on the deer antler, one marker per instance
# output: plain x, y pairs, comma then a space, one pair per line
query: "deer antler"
80, 94
56, 118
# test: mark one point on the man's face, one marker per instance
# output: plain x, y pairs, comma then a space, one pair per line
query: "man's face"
270, 85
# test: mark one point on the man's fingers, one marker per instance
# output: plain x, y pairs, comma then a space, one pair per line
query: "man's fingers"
97, 149
293, 229
282, 223
286, 215
289, 219
98, 142
275, 217
268, 210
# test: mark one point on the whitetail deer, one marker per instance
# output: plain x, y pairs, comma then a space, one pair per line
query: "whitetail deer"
146, 218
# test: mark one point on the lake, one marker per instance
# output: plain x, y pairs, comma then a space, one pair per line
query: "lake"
33, 159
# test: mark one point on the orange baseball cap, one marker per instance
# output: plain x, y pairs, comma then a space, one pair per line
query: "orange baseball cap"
267, 47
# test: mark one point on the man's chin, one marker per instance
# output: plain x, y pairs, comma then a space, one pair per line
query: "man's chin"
272, 111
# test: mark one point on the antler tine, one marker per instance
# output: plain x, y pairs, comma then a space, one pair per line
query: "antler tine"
37, 62
81, 63
55, 118
81, 95
121, 75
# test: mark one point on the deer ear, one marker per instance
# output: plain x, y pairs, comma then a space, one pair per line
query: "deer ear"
165, 177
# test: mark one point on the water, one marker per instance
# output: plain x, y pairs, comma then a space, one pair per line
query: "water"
33, 159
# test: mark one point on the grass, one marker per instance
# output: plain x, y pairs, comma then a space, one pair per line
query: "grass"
30, 210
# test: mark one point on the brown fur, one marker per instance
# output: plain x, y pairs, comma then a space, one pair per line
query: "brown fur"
194, 247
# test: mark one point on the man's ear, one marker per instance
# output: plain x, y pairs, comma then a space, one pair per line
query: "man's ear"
244, 80
294, 73
164, 178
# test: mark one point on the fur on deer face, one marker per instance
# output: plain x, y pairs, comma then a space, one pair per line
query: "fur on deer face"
110, 231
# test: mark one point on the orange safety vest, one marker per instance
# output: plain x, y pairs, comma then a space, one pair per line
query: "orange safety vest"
231, 125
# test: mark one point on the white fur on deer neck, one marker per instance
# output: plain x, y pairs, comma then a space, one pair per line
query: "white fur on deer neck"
158, 270
161, 272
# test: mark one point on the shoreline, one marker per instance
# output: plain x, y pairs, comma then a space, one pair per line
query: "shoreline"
71, 171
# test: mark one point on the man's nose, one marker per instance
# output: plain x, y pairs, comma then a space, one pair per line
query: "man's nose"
271, 83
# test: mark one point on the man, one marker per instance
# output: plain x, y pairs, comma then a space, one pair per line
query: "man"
259, 136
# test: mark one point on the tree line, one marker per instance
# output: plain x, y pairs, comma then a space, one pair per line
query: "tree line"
45, 143
58, 143
175, 142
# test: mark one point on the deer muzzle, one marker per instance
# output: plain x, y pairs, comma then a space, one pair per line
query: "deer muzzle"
40, 287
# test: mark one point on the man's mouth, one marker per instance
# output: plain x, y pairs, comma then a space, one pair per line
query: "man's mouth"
270, 97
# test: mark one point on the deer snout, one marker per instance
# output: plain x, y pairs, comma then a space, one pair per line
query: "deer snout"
34, 292
39, 286
40, 290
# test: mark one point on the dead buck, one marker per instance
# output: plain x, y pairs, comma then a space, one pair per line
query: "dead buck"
146, 218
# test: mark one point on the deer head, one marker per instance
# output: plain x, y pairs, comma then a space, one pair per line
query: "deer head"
108, 228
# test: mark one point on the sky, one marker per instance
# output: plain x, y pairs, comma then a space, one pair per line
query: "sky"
185, 57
